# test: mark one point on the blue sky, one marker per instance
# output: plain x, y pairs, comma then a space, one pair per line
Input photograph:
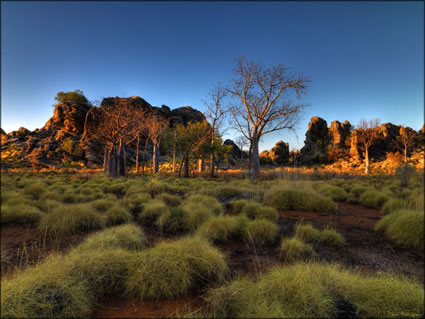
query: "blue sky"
365, 59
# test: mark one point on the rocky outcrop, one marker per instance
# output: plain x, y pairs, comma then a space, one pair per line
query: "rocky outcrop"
234, 156
278, 155
316, 142
64, 138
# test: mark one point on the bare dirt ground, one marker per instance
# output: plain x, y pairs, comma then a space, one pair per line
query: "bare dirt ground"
365, 250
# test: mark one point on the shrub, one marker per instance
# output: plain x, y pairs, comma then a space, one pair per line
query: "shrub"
404, 227
209, 202
310, 290
170, 200
393, 204
46, 291
195, 215
129, 237
373, 199
337, 194
117, 215
69, 219
172, 269
286, 199
105, 270
171, 221
258, 211
261, 232
404, 173
102, 205
152, 211
20, 214
331, 237
307, 233
220, 228
34, 191
294, 249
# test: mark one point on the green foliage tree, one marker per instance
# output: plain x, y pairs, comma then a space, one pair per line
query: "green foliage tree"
71, 97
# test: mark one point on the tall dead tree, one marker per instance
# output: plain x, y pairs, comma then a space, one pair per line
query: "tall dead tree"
241, 141
215, 115
368, 134
263, 104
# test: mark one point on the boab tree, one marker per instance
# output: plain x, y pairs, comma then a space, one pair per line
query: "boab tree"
368, 134
405, 141
263, 102
115, 127
215, 114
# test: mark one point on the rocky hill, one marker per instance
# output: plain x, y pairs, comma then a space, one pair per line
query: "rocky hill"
63, 137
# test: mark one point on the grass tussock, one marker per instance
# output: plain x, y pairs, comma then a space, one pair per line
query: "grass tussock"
261, 232
258, 211
172, 269
331, 237
207, 201
293, 249
170, 200
151, 211
46, 291
20, 214
307, 233
373, 199
117, 215
195, 215
34, 191
393, 204
172, 220
129, 237
286, 198
102, 205
336, 193
220, 229
71, 219
404, 227
237, 205
314, 290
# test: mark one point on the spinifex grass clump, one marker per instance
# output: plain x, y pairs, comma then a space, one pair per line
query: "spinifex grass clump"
293, 249
195, 214
172, 220
238, 205
129, 237
207, 201
70, 219
46, 291
393, 204
170, 200
151, 211
261, 232
222, 228
258, 211
331, 237
102, 205
404, 227
307, 233
286, 198
314, 290
337, 194
105, 270
135, 202
20, 214
34, 191
172, 269
373, 199
117, 215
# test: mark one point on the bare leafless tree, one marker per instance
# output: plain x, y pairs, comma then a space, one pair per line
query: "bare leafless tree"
156, 129
264, 105
368, 133
406, 140
215, 114
241, 141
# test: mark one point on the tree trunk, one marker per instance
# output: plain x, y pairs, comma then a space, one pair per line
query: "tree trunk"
123, 161
367, 166
249, 157
174, 150
105, 162
212, 165
144, 156
201, 165
155, 157
255, 159
118, 160
405, 155
137, 153
186, 165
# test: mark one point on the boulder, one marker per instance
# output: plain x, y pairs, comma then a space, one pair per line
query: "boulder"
279, 154
316, 142
235, 153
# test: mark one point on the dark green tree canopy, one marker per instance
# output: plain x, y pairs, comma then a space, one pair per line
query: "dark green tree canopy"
72, 97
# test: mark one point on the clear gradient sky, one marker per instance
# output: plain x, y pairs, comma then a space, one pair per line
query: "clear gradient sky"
365, 59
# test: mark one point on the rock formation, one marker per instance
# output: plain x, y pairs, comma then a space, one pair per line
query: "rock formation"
234, 156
